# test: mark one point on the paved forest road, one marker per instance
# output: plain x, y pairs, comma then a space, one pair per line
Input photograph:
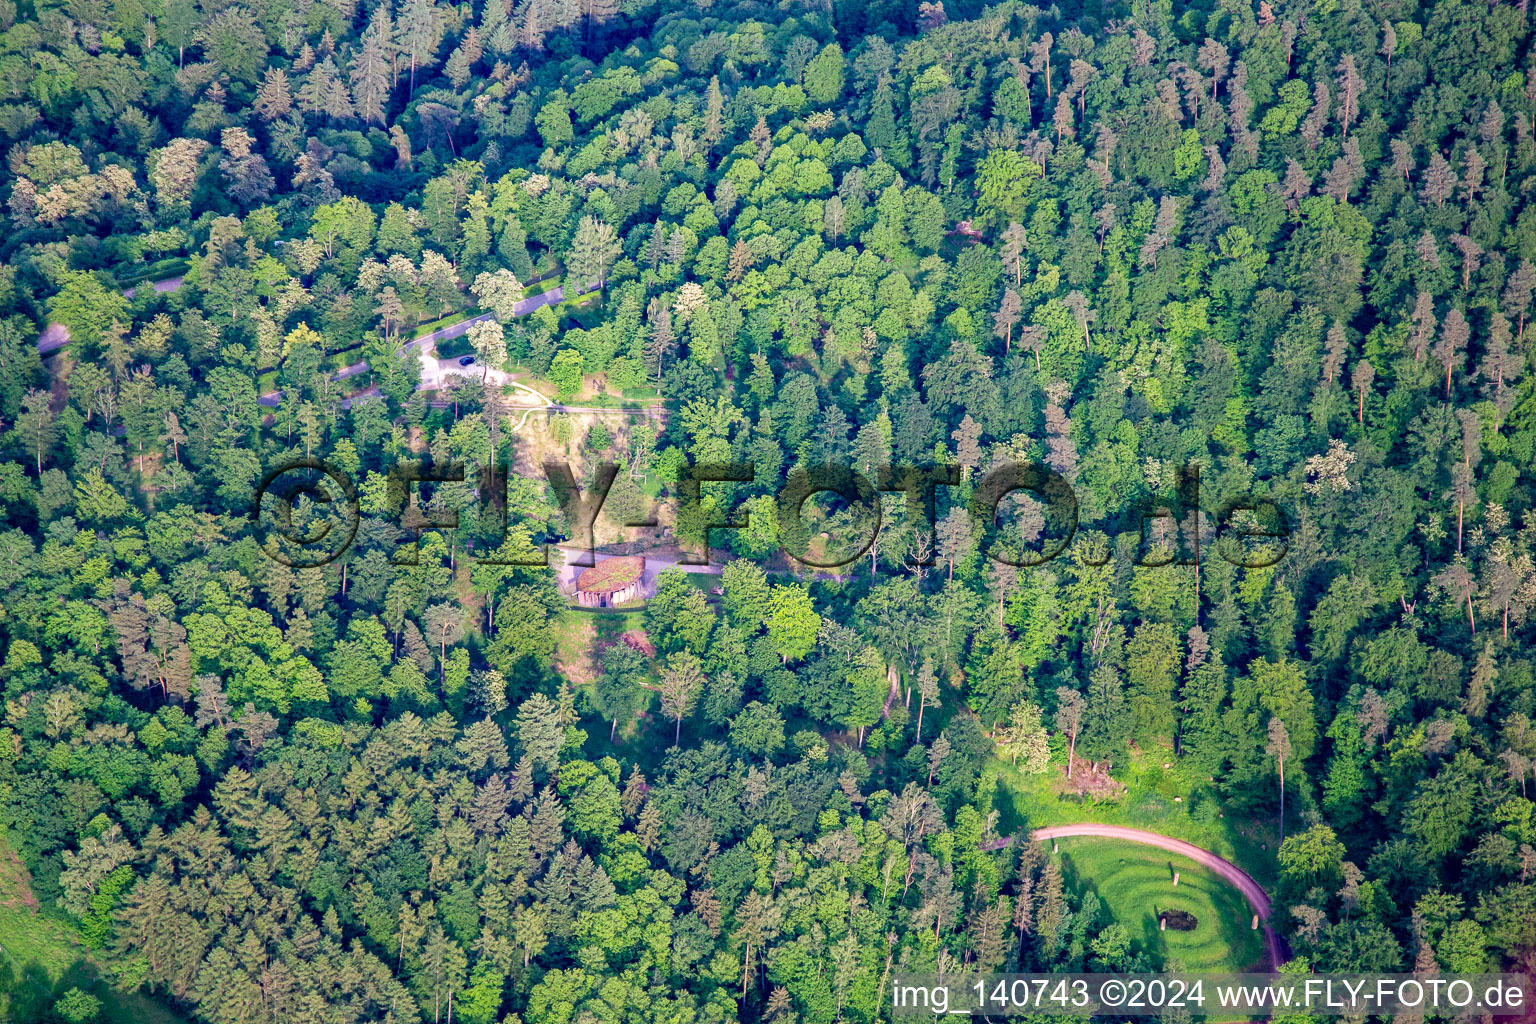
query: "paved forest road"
53, 338
1251, 890
170, 284
56, 336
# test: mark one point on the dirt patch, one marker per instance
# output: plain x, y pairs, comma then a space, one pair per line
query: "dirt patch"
15, 882
1180, 920
464, 588
59, 367
147, 464
1089, 779
637, 639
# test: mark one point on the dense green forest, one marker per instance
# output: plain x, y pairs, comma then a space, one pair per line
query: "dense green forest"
1289, 248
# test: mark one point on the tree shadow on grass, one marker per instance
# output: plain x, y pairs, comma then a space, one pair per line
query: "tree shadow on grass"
27, 989
1234, 918
1010, 815
28, 995
32, 993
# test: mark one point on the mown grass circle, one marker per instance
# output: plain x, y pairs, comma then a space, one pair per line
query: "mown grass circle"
1135, 885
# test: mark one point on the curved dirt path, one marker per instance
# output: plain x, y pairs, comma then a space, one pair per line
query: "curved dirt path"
434, 369
1231, 873
532, 409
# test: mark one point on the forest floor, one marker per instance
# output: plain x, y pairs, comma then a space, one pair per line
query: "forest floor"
41, 958
1135, 884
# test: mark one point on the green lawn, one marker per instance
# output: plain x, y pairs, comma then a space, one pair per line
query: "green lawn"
453, 348
41, 958
609, 623
643, 741
444, 321
1135, 883
537, 288
345, 357
266, 381
583, 310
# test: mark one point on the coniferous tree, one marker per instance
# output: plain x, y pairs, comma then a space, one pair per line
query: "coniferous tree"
370, 80
420, 32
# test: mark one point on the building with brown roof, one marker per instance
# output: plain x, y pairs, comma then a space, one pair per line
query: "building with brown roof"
611, 581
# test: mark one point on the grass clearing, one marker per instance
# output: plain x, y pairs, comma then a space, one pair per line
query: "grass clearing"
1135, 883
457, 316
343, 358
1172, 801
593, 628
41, 958
575, 656
644, 740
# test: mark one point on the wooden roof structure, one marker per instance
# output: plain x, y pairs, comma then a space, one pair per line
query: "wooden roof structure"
611, 575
